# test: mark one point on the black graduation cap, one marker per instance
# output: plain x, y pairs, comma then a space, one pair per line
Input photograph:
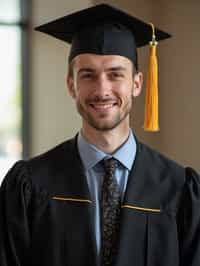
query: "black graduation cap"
106, 30
102, 29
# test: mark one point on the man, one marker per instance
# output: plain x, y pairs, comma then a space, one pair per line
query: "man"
65, 207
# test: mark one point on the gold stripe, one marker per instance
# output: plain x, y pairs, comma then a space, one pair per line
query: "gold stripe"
140, 208
71, 199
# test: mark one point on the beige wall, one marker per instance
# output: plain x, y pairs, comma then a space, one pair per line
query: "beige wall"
53, 115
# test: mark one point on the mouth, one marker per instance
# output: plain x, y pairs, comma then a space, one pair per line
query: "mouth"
103, 106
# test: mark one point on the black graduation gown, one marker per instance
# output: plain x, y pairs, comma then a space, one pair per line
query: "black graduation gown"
46, 213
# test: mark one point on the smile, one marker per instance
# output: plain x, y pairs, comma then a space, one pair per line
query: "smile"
102, 106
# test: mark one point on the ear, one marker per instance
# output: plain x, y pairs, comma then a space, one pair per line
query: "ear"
70, 86
137, 84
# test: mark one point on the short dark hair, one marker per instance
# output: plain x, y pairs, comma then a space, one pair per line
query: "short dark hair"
70, 69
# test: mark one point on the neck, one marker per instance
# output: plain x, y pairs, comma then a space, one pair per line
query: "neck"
108, 141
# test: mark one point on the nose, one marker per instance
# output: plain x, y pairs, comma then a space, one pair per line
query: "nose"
103, 86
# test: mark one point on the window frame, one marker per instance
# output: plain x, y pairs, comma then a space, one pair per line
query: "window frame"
24, 26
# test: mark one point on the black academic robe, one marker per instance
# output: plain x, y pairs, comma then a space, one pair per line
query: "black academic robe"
46, 213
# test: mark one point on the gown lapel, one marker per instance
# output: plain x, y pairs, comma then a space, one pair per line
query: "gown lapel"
137, 205
76, 193
133, 227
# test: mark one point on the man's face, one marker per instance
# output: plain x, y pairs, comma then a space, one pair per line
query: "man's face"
103, 87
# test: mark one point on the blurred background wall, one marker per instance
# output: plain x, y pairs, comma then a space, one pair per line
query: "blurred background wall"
53, 115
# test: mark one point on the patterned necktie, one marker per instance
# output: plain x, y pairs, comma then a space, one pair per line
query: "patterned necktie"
110, 213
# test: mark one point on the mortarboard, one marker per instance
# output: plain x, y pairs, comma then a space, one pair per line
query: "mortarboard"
106, 30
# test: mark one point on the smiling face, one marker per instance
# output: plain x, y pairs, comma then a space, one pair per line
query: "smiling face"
103, 87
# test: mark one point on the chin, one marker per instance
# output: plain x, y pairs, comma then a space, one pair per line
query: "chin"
106, 125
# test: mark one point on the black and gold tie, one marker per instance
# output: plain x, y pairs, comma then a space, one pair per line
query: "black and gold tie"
110, 213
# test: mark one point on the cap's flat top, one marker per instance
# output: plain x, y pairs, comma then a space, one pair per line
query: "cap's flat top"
66, 27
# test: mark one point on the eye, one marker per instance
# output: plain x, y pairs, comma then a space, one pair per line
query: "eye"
116, 75
87, 75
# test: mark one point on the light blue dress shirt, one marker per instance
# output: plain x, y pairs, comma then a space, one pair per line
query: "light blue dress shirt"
91, 157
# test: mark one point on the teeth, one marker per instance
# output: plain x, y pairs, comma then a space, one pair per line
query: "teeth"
105, 106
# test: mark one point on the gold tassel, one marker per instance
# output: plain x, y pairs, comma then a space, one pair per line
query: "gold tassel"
151, 101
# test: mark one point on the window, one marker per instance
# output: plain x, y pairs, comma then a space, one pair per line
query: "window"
13, 126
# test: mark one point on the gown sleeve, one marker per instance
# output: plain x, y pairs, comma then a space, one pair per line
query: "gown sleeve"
15, 194
189, 220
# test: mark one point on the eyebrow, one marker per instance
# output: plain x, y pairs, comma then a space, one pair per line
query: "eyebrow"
87, 69
116, 68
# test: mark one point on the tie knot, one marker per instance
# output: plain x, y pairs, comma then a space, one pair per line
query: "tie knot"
110, 165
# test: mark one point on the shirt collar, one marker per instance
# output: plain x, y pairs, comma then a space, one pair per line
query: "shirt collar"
91, 155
